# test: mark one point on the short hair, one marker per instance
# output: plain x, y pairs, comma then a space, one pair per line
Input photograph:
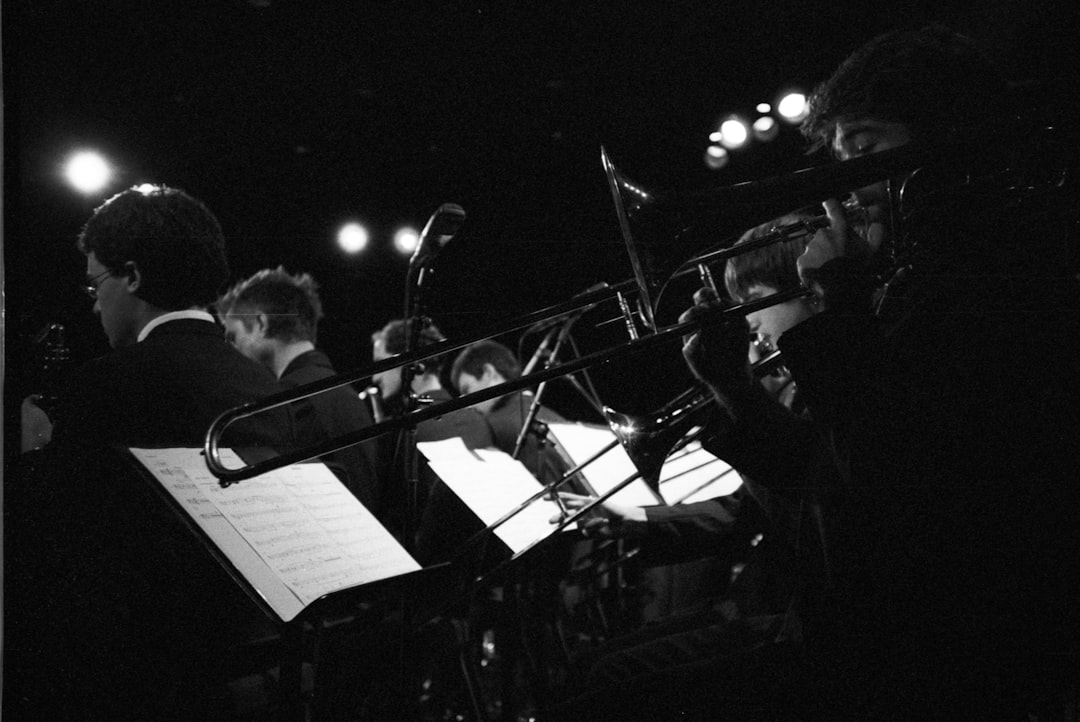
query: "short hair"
392, 336
472, 360
932, 80
773, 265
173, 239
291, 303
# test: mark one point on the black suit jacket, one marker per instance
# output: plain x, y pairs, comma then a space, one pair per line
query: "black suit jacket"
113, 608
329, 415
166, 391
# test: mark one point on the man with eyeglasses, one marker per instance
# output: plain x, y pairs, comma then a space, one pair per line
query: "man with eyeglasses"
112, 610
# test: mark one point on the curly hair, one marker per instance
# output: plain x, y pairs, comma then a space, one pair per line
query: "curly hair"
173, 240
291, 303
932, 80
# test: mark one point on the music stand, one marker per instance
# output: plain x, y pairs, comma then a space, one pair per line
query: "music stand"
297, 543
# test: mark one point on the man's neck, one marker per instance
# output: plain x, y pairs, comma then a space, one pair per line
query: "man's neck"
287, 353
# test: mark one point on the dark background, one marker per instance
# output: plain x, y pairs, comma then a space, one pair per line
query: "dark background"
287, 117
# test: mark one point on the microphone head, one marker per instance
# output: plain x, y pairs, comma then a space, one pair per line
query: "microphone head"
445, 222
443, 225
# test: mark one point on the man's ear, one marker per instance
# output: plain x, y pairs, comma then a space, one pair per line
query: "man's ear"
260, 322
134, 276
490, 372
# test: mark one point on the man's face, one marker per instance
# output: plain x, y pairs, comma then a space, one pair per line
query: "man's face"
859, 137
769, 323
389, 382
467, 384
116, 303
248, 336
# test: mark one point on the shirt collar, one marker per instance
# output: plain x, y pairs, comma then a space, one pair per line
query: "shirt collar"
191, 313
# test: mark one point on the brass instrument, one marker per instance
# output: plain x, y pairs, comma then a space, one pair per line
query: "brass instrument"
656, 256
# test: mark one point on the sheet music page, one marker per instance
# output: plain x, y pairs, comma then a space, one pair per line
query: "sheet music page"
693, 474
581, 441
295, 533
690, 474
491, 484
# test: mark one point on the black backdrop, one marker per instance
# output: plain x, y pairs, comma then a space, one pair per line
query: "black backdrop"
288, 117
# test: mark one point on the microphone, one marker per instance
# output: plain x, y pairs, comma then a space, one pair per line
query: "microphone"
443, 225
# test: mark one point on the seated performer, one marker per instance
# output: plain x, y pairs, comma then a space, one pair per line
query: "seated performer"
272, 317
112, 610
759, 534
955, 503
486, 364
439, 520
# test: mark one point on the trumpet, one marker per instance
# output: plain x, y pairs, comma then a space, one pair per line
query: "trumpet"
656, 256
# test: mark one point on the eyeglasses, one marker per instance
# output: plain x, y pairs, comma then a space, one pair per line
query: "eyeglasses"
91, 286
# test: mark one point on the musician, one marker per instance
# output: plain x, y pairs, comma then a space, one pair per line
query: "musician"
486, 364
439, 510
110, 616
772, 538
954, 510
272, 318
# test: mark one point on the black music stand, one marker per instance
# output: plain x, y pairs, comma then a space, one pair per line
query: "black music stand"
291, 627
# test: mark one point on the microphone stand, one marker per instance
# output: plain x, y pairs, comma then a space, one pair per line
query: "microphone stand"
531, 424
414, 320
548, 360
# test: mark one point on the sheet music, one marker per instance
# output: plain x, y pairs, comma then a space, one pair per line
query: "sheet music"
689, 475
693, 474
491, 483
581, 441
295, 533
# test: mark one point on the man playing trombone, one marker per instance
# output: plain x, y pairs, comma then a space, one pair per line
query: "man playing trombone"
954, 508
754, 621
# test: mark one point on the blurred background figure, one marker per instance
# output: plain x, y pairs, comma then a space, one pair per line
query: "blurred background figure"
272, 317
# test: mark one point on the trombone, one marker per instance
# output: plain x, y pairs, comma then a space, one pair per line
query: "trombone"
672, 225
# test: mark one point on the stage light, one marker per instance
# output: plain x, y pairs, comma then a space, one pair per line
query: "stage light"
766, 128
764, 108
733, 133
405, 240
792, 107
716, 157
352, 237
88, 172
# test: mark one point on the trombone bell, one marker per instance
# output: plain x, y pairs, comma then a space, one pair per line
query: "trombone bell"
649, 439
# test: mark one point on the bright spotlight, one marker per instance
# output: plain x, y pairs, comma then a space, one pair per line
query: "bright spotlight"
88, 172
764, 108
352, 238
405, 240
792, 107
765, 128
716, 157
733, 133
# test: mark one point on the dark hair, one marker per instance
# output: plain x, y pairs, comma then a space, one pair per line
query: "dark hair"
932, 80
291, 303
472, 360
173, 239
393, 337
773, 265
